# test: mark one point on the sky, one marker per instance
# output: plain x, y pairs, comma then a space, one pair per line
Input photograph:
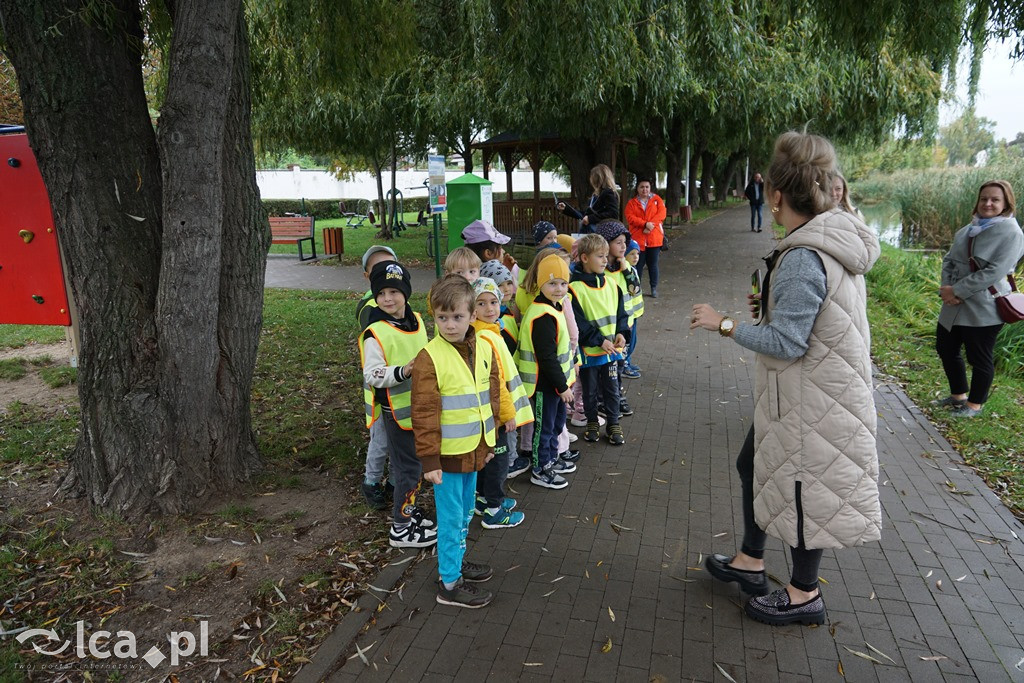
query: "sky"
1000, 91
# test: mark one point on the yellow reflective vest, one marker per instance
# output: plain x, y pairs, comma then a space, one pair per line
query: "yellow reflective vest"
465, 396
399, 348
601, 306
632, 303
510, 375
528, 360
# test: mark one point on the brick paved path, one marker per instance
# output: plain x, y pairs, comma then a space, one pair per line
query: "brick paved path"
674, 490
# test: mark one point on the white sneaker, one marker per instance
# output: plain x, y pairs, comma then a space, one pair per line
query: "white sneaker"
573, 437
582, 422
411, 536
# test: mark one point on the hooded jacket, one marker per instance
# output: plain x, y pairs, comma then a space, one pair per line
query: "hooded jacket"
816, 465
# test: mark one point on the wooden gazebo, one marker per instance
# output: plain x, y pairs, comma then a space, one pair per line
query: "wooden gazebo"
516, 217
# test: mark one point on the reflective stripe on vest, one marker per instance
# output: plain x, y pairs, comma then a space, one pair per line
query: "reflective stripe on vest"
509, 373
399, 348
465, 396
527, 358
632, 303
600, 305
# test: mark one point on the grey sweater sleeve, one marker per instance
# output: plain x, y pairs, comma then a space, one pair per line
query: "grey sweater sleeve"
798, 287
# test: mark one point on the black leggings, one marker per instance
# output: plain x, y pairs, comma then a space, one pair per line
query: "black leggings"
979, 343
805, 562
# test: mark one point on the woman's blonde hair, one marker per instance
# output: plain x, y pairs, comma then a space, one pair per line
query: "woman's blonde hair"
530, 279
802, 169
460, 259
844, 202
602, 178
1008, 198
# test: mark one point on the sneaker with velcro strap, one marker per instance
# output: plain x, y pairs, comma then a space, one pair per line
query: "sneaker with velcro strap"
571, 455
522, 465
593, 432
615, 435
562, 467
549, 479
411, 535
420, 518
502, 519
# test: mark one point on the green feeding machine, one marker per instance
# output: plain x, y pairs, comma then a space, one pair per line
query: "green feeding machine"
470, 198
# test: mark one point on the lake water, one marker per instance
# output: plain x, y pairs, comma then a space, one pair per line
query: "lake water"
885, 218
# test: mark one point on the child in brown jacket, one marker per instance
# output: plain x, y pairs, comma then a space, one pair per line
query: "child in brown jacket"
456, 393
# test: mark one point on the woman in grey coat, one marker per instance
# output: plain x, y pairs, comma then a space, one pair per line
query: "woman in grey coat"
969, 318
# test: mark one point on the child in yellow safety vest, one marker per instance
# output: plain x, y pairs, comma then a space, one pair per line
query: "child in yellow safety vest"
374, 491
604, 329
625, 276
387, 348
498, 510
456, 394
635, 309
546, 367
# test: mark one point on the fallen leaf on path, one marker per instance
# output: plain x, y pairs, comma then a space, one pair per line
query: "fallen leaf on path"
607, 647
962, 577
879, 652
611, 614
933, 658
725, 673
862, 655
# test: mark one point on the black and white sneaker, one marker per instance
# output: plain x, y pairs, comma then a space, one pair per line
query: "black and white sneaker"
520, 466
571, 455
563, 466
411, 536
419, 518
549, 479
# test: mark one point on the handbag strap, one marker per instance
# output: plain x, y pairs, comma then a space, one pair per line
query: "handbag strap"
974, 266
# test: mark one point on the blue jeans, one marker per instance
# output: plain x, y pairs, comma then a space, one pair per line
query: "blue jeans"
755, 210
649, 257
454, 498
632, 345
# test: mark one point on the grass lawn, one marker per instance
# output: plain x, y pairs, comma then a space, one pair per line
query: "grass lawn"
17, 336
64, 563
410, 245
903, 308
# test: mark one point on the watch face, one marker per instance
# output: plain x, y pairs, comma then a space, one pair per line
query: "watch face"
727, 324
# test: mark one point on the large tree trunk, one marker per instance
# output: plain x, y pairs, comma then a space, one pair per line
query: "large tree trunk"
696, 152
674, 166
707, 167
165, 252
725, 182
580, 155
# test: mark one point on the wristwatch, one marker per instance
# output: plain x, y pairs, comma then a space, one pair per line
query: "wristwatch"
726, 327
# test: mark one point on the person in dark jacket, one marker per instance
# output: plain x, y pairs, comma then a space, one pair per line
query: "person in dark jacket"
755, 195
604, 202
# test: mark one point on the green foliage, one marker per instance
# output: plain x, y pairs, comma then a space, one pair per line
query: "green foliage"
966, 136
31, 435
937, 201
903, 308
862, 158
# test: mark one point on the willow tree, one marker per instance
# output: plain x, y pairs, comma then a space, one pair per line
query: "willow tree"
163, 235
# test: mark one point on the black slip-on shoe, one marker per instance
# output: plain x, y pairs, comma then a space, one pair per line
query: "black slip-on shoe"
751, 583
776, 609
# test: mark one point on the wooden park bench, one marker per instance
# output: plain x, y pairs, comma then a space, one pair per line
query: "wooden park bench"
294, 230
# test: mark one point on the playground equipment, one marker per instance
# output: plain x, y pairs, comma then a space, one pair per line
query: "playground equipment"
33, 290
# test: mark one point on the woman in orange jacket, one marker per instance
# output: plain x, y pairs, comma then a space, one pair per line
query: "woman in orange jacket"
645, 214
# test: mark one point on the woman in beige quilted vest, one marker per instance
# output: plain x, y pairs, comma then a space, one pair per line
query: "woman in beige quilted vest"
809, 468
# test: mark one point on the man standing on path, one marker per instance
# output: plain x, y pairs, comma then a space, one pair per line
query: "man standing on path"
755, 194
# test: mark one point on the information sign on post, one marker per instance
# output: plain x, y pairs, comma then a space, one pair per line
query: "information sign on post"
438, 193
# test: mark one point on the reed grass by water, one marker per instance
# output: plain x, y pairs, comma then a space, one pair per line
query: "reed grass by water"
936, 202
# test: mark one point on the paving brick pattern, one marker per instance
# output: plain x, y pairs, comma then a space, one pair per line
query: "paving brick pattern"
673, 490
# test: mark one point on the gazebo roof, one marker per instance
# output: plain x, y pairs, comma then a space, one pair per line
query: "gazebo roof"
512, 140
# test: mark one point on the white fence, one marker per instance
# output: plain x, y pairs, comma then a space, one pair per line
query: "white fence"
319, 184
